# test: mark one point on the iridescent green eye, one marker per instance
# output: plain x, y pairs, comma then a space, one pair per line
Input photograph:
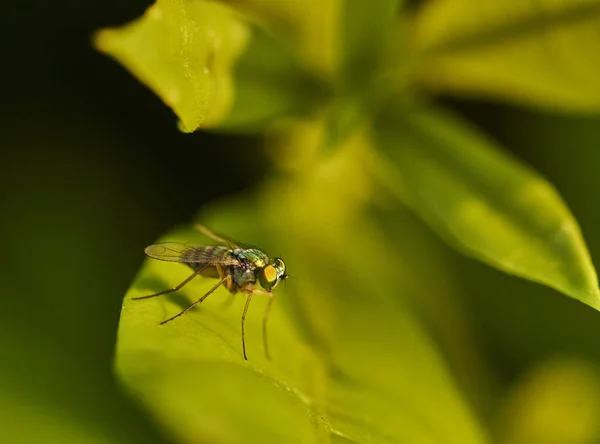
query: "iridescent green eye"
272, 274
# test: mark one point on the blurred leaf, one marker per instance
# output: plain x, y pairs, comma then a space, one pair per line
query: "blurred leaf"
365, 29
184, 51
345, 115
544, 53
311, 25
351, 361
556, 403
484, 202
363, 44
511, 309
203, 60
270, 84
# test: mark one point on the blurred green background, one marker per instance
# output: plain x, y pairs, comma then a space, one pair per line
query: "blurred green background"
94, 169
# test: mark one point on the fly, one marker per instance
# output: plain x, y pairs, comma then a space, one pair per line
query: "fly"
238, 270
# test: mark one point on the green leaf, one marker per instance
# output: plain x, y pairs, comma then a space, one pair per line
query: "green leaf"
558, 402
544, 53
351, 361
311, 25
210, 66
271, 83
365, 29
363, 43
184, 51
485, 202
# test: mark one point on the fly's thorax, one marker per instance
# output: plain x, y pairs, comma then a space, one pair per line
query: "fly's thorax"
250, 262
251, 257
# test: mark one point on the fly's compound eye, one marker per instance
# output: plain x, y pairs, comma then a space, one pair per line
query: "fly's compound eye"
268, 277
272, 274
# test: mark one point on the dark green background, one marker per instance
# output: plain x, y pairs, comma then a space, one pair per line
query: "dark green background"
93, 169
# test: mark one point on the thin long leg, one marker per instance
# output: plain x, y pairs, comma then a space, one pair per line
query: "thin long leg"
199, 301
248, 299
265, 318
171, 290
202, 229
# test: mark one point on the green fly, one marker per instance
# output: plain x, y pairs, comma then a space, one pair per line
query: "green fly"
238, 269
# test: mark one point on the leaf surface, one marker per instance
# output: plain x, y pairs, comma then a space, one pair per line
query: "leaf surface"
351, 360
211, 66
485, 202
544, 53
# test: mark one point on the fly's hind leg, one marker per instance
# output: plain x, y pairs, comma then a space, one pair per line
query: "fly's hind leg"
171, 290
199, 301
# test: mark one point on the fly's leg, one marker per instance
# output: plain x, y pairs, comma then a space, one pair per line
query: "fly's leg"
199, 301
249, 293
265, 319
202, 229
171, 290
248, 299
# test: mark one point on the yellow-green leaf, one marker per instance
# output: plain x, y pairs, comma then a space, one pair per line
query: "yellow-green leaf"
212, 67
365, 28
184, 51
543, 53
311, 24
558, 402
352, 362
485, 202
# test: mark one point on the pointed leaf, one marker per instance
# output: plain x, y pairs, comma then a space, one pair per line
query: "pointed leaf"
209, 65
485, 202
543, 53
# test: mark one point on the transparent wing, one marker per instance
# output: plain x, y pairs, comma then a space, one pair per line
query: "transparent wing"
224, 240
180, 252
214, 236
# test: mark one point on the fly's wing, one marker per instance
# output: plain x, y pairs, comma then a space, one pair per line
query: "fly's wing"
220, 238
214, 236
180, 252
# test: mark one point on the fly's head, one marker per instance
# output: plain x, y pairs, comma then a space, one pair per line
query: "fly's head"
272, 274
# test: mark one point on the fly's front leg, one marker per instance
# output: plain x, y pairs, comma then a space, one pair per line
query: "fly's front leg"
248, 299
265, 319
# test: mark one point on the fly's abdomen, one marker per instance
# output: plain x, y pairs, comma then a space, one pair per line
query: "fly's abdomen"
209, 271
201, 258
